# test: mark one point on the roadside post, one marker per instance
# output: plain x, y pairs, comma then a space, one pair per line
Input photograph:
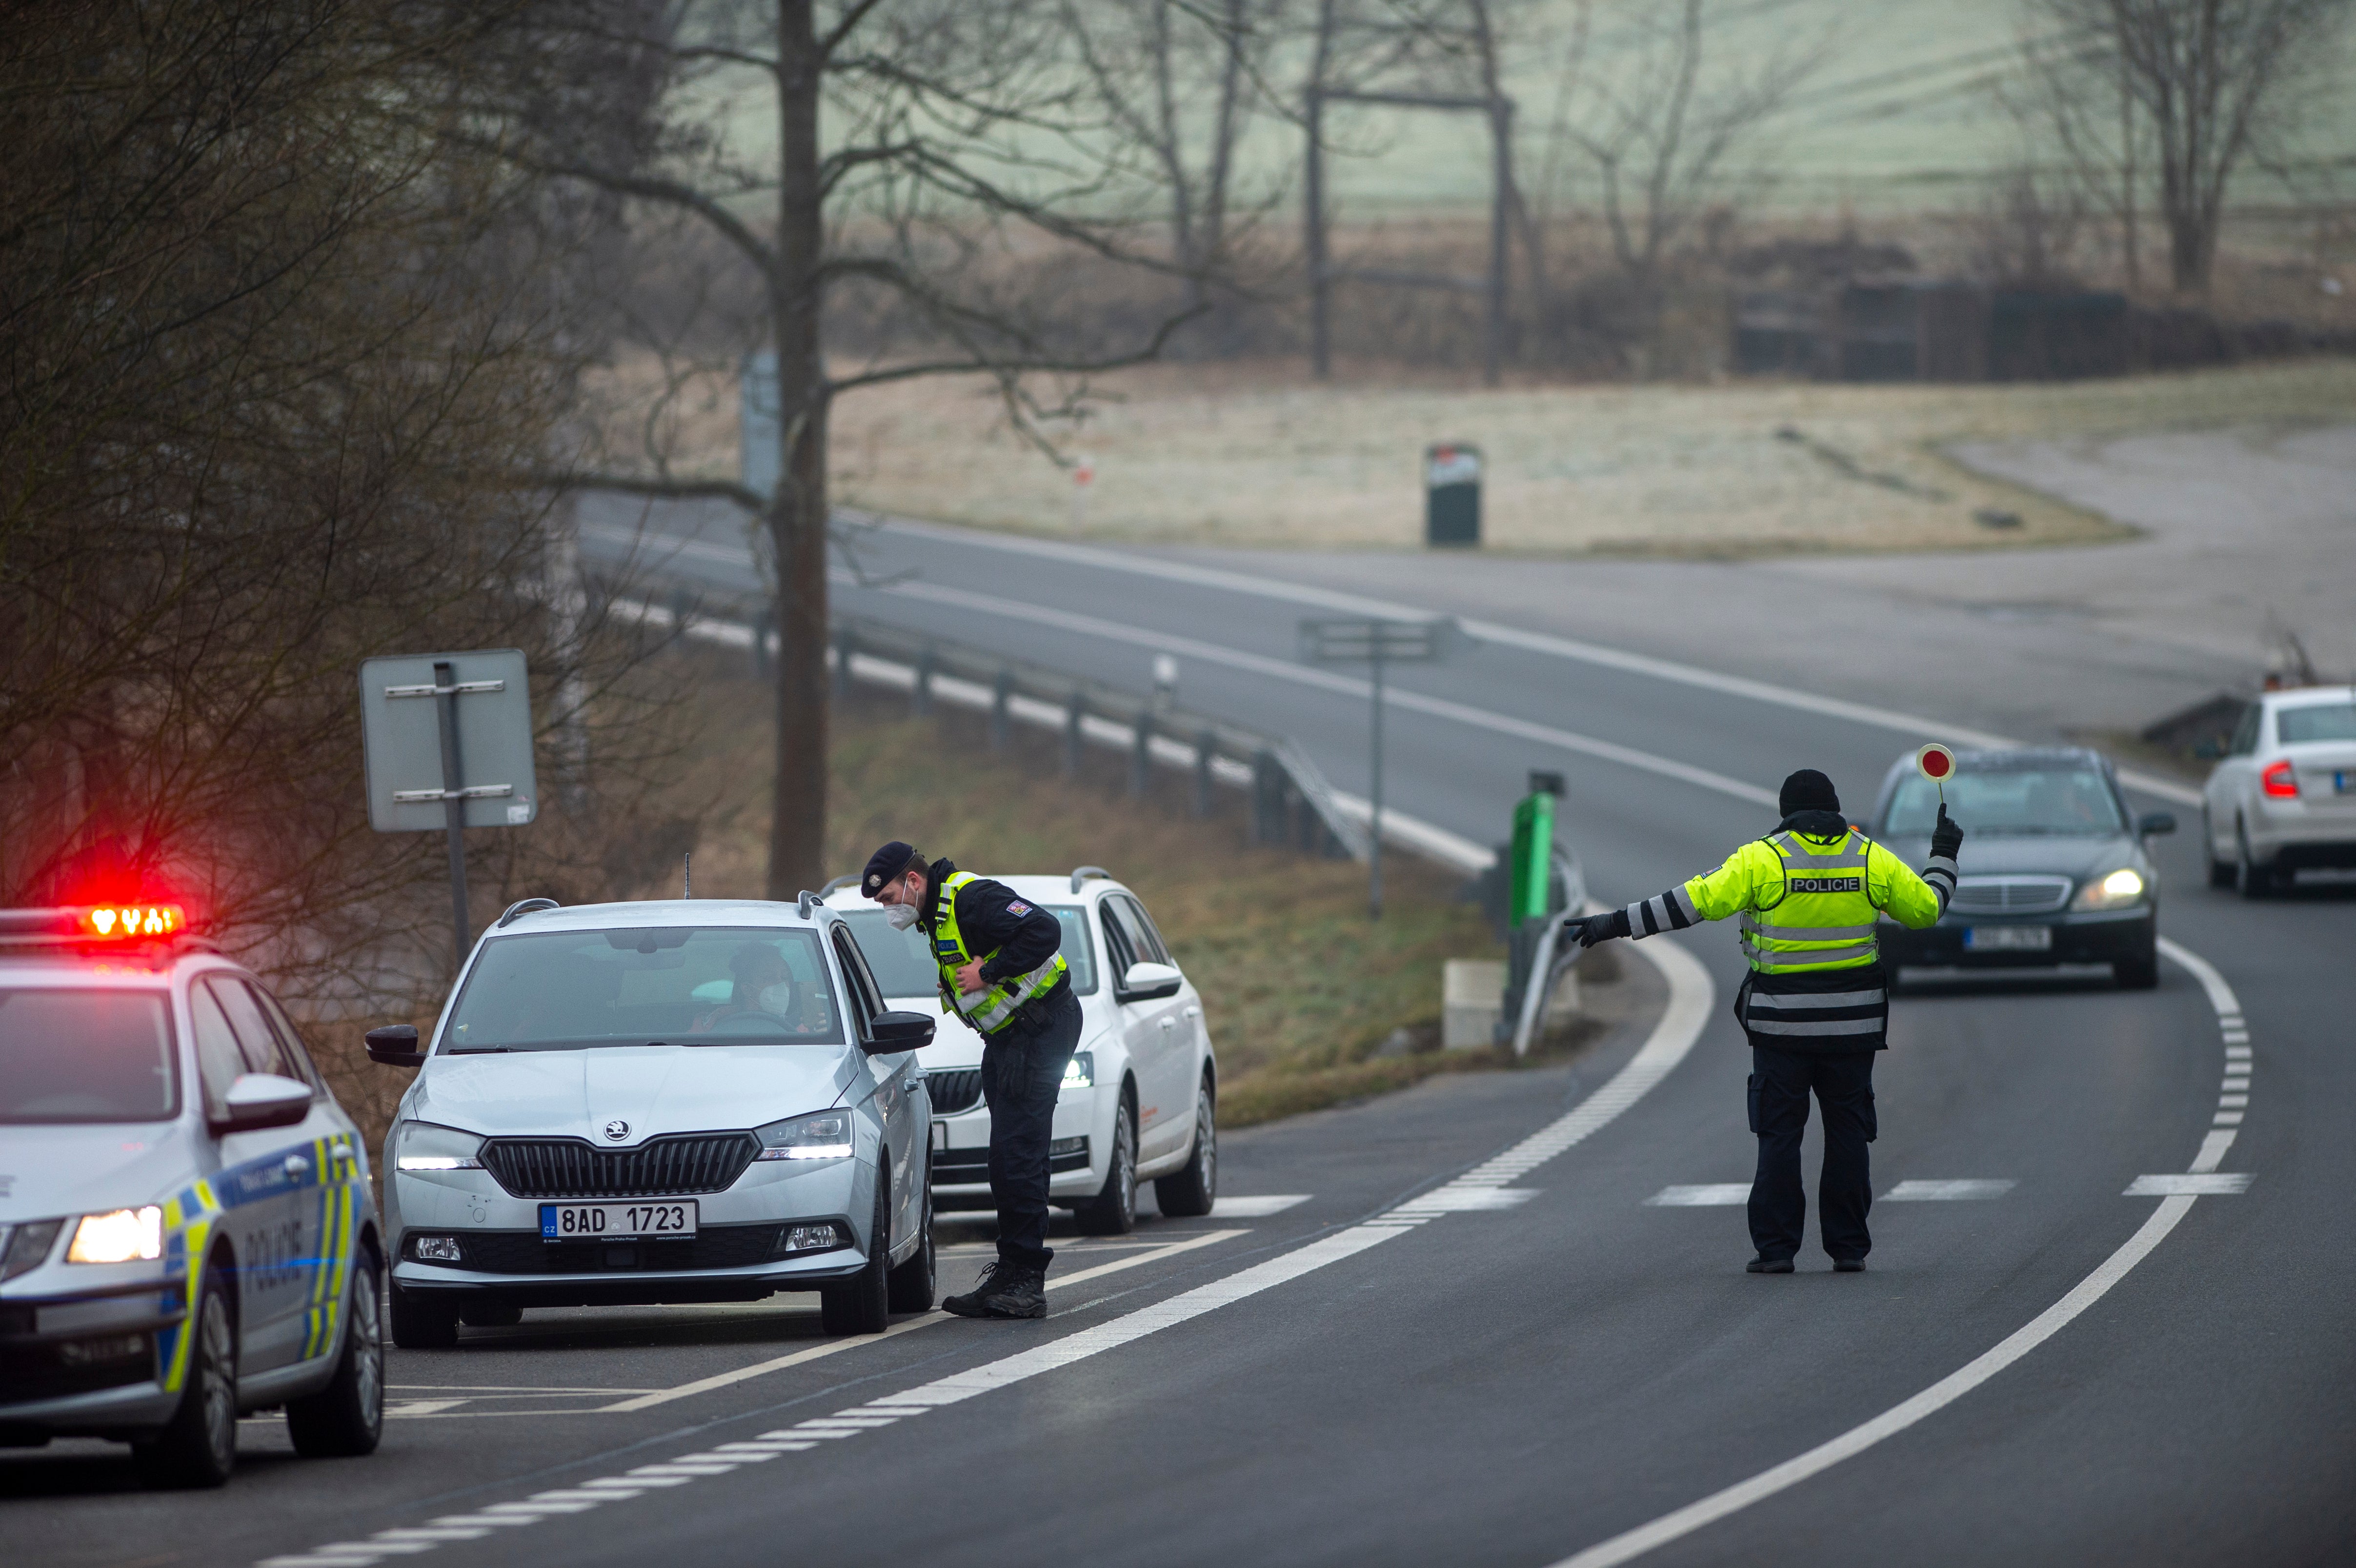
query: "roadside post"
1374, 643
1539, 890
451, 718
1451, 495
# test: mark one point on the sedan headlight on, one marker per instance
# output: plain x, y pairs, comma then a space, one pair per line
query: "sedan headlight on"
423, 1146
125, 1236
1080, 1072
825, 1136
2116, 891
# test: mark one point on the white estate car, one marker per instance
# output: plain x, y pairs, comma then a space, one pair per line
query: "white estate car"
186, 1231
675, 1100
1140, 1099
2284, 796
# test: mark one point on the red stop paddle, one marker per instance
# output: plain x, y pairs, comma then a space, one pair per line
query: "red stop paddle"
1937, 764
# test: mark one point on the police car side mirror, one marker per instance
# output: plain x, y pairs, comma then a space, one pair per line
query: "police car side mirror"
395, 1045
895, 1032
260, 1100
1149, 983
2157, 822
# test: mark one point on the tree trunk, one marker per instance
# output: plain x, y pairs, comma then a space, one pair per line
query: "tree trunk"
798, 514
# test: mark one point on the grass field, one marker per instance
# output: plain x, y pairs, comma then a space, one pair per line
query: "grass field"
1235, 454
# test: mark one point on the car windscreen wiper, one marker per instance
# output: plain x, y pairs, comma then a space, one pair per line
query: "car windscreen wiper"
473, 1050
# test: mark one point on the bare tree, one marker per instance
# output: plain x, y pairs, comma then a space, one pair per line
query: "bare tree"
2202, 79
942, 157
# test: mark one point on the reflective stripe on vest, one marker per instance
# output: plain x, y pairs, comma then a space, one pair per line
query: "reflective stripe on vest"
1824, 918
991, 1008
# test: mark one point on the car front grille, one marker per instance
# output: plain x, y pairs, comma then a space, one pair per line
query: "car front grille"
524, 1252
2010, 894
661, 1167
953, 1089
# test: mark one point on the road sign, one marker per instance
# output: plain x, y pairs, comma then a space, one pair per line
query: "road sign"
1374, 643
448, 743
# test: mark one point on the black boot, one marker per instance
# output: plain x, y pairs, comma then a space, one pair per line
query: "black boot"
1766, 1265
1003, 1290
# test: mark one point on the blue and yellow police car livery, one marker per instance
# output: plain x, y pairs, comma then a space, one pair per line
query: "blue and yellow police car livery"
186, 1226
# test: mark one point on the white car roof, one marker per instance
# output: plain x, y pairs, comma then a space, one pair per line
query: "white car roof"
658, 912
2300, 696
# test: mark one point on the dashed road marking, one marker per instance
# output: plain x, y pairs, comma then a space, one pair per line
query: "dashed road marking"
1964, 1191
1260, 1207
1706, 1195
2218, 1185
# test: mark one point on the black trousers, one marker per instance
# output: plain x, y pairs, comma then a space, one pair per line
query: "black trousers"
1780, 1085
1021, 1072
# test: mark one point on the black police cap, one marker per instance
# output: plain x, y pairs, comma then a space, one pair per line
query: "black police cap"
885, 865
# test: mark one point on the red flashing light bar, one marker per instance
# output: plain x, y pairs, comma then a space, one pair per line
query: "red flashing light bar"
131, 921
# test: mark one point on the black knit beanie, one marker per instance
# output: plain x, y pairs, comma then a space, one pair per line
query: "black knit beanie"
1808, 791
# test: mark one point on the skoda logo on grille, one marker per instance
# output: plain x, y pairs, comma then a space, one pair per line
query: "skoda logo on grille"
617, 1129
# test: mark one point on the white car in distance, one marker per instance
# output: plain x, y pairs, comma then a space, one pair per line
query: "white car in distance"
1140, 1100
2284, 796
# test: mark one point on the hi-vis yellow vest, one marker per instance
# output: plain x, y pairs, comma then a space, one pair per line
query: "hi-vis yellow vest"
1815, 908
991, 1008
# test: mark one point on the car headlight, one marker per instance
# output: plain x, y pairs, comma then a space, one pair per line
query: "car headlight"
825, 1136
125, 1236
2116, 891
423, 1146
1080, 1072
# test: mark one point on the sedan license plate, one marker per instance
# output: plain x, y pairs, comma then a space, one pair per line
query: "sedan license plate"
2009, 939
611, 1221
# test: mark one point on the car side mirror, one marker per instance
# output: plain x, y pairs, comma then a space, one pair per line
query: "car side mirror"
395, 1045
2157, 822
260, 1100
894, 1032
1149, 983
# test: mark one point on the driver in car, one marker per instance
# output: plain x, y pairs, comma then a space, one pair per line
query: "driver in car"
764, 984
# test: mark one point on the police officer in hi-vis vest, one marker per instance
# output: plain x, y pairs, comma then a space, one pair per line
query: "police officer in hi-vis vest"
1002, 968
1814, 1004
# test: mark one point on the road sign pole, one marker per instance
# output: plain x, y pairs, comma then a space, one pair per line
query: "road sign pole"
454, 804
1375, 825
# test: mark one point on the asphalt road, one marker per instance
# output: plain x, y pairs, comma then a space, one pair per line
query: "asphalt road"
1366, 1376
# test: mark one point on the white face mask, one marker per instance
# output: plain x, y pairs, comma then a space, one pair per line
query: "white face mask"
899, 916
777, 999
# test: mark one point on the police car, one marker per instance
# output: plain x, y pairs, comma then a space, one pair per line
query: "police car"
1140, 1099
186, 1231
674, 1101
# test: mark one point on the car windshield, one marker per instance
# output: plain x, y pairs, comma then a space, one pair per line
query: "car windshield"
2009, 800
86, 1056
903, 965
2316, 721
716, 985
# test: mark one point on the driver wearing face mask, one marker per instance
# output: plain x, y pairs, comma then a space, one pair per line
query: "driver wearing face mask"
764, 984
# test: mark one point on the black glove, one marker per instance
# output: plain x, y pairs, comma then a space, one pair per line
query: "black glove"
1590, 929
1946, 838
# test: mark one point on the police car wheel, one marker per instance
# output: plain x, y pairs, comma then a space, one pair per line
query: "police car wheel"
1190, 1192
862, 1305
1113, 1211
199, 1448
421, 1323
346, 1418
911, 1286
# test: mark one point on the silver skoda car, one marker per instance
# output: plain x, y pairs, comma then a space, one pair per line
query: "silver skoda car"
665, 1101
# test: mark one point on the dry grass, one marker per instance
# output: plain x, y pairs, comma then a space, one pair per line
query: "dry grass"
1299, 987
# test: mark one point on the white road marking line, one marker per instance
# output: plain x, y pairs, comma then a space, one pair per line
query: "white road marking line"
1966, 1191
1465, 1198
2221, 1183
421, 1407
1706, 1195
1509, 637
2229, 1118
2231, 1102
2177, 1195
1259, 1206
1690, 996
427, 1533
2237, 1037
2237, 1052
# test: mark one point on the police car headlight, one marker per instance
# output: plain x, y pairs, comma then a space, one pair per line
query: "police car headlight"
2116, 891
125, 1236
423, 1146
825, 1136
1080, 1072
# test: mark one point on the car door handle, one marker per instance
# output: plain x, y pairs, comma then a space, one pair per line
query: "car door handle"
295, 1165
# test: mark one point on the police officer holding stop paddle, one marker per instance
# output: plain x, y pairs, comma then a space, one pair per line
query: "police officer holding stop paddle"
1816, 1005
